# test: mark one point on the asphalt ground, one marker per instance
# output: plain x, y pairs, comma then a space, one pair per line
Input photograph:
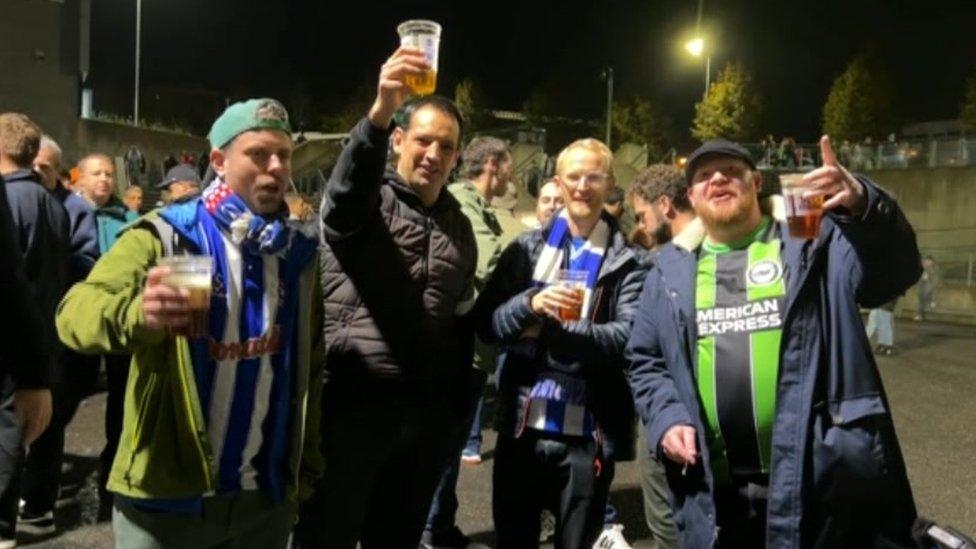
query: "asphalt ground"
931, 381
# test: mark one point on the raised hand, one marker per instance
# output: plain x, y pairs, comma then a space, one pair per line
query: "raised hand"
392, 90
838, 187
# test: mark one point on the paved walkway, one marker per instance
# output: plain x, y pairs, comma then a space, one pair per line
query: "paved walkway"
930, 382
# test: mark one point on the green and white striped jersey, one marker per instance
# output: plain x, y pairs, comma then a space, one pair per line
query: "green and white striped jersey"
739, 302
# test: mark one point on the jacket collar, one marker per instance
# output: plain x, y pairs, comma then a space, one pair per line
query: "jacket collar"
445, 200
23, 175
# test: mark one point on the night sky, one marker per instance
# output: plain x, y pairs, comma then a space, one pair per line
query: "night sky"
239, 48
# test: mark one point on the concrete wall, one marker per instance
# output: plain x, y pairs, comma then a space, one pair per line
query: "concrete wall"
39, 57
941, 205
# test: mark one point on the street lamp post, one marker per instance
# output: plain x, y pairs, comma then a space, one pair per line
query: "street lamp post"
135, 106
608, 74
696, 47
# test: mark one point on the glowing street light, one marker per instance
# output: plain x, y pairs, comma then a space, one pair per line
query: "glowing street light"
696, 47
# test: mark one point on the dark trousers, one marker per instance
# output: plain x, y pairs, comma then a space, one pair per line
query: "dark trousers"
444, 506
11, 460
117, 375
42, 468
384, 453
741, 514
537, 471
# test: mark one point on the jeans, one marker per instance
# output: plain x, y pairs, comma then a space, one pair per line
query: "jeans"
443, 508
882, 323
657, 497
540, 470
473, 445
11, 460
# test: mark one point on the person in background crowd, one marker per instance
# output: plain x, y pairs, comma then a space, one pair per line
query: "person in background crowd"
926, 288
77, 373
179, 182
41, 227
96, 184
132, 198
549, 201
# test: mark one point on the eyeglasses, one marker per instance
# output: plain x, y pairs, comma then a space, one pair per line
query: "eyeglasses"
591, 179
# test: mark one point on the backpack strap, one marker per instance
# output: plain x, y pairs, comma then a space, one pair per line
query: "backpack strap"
173, 242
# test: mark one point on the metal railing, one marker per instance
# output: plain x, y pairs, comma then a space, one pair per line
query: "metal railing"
906, 153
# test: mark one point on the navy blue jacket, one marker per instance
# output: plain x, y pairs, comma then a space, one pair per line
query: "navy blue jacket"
503, 312
837, 476
83, 232
41, 225
24, 353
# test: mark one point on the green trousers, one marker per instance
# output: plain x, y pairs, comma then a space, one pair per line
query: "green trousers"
657, 498
241, 520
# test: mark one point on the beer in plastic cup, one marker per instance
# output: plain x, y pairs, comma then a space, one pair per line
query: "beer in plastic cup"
802, 214
192, 273
575, 281
424, 35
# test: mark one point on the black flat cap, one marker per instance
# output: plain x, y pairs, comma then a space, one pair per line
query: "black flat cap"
717, 147
180, 172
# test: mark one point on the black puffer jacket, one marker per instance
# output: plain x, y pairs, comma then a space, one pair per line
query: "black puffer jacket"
393, 272
503, 313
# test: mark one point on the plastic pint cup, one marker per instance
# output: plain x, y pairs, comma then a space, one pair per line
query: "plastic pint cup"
192, 273
575, 281
802, 214
423, 35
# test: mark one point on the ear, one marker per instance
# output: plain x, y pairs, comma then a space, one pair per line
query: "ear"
758, 180
667, 207
398, 140
217, 158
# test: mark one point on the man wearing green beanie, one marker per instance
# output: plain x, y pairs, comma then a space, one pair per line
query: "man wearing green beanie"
220, 435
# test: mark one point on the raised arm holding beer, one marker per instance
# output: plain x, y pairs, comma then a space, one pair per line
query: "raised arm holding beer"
214, 296
751, 369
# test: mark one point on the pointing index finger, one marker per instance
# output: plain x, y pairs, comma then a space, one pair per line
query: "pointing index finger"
827, 152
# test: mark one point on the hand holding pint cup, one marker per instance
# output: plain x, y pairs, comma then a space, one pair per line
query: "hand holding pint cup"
574, 282
190, 275
425, 36
803, 213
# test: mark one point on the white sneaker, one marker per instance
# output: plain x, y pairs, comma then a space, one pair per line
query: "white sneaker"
612, 537
547, 525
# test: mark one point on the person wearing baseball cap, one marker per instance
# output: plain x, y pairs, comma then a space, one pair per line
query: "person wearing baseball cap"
751, 370
180, 181
220, 433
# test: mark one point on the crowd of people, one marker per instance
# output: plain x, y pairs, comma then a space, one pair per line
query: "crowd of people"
335, 381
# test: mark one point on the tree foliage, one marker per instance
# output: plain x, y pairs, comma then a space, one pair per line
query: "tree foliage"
472, 102
731, 109
638, 121
860, 103
357, 105
967, 112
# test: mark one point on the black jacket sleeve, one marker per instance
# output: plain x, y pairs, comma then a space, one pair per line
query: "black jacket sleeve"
23, 354
503, 311
352, 195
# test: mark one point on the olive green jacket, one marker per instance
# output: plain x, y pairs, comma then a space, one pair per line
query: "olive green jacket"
164, 451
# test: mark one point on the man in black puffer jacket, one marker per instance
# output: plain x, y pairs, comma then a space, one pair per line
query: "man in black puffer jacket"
565, 413
397, 268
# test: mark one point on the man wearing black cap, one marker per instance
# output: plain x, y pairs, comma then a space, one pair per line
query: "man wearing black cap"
752, 372
180, 181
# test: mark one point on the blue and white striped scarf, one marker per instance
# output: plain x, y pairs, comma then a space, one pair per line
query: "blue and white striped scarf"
553, 256
267, 247
556, 403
